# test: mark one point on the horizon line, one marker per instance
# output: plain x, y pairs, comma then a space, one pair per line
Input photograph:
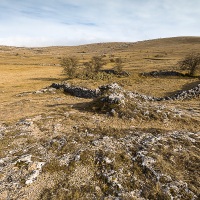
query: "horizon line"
93, 43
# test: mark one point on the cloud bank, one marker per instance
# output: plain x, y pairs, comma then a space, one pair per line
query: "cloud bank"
67, 22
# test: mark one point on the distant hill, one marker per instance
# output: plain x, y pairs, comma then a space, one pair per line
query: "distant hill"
155, 54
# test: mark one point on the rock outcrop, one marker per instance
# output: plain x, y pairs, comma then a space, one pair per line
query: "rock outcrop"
96, 163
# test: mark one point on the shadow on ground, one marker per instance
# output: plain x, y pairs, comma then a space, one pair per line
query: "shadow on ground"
187, 86
48, 79
58, 104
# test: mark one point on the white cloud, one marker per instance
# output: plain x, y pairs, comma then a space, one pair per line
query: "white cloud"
67, 22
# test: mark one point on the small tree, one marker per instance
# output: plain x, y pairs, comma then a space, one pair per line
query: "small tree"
191, 62
88, 67
97, 63
118, 65
89, 70
70, 65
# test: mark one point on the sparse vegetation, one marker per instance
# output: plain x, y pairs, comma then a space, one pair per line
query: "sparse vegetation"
69, 65
97, 63
94, 65
118, 65
58, 146
191, 63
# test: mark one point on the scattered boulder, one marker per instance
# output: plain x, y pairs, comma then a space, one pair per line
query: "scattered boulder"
47, 90
109, 163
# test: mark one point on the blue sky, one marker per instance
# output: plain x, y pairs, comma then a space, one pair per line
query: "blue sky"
74, 22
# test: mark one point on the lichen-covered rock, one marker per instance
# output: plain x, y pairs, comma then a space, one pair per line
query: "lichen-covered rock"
110, 87
97, 162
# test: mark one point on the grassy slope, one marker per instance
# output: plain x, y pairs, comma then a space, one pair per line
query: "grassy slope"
64, 116
29, 69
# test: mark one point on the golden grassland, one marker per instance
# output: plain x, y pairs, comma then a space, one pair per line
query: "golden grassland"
30, 69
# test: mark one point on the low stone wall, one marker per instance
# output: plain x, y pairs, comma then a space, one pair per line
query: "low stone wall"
186, 94
89, 93
162, 73
77, 91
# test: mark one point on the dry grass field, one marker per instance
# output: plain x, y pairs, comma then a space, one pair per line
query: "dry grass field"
102, 153
30, 69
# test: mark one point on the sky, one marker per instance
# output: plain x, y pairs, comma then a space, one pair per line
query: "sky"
36, 23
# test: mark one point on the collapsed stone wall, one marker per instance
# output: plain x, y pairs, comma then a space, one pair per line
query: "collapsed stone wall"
113, 99
161, 73
186, 94
89, 93
182, 95
77, 91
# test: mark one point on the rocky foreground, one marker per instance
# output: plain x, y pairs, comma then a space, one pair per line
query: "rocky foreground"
56, 156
